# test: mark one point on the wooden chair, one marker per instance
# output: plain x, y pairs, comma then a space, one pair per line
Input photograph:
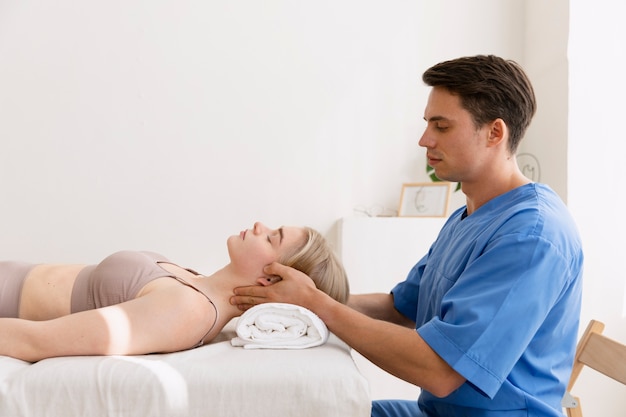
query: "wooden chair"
597, 352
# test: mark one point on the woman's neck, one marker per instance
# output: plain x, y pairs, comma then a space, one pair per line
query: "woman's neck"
219, 288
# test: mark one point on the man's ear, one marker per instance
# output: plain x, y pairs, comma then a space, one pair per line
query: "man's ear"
498, 132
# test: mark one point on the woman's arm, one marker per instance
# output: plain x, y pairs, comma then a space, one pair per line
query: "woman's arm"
167, 320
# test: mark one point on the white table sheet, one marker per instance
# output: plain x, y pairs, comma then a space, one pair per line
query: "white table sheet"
214, 380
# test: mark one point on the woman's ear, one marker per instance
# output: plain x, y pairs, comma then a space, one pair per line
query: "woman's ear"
269, 280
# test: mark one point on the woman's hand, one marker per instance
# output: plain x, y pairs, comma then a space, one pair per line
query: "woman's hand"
293, 287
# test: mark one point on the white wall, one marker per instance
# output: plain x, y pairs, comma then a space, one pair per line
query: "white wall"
171, 125
544, 147
597, 144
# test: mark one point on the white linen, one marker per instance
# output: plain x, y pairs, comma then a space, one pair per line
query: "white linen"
279, 326
213, 380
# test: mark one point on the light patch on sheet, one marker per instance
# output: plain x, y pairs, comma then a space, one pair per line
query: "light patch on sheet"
174, 385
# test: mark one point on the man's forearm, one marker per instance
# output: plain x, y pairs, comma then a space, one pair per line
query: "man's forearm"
379, 306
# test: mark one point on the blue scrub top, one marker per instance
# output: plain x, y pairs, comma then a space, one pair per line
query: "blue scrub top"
498, 298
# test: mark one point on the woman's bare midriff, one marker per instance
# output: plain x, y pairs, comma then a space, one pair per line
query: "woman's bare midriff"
47, 291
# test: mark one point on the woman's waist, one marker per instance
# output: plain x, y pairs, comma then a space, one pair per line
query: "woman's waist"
47, 291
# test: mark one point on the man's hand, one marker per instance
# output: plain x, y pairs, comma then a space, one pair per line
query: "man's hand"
294, 287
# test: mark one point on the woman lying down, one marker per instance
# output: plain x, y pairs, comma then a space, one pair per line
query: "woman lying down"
135, 303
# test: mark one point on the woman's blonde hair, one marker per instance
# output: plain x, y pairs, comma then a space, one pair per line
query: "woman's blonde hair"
317, 260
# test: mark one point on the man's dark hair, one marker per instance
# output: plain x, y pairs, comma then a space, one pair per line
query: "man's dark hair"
489, 88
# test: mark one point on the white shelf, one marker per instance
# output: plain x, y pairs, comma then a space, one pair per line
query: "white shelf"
377, 253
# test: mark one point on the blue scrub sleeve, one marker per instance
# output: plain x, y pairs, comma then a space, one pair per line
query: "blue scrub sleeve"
406, 293
491, 313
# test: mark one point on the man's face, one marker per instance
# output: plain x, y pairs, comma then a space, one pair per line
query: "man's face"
455, 148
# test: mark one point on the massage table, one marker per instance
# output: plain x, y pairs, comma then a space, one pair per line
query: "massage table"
213, 380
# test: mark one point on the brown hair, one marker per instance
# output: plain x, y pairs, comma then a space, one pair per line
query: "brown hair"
489, 88
317, 259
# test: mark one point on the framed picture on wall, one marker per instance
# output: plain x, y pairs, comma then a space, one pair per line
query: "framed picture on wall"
425, 199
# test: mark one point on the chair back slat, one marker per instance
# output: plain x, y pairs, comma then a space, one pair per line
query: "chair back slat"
606, 356
600, 353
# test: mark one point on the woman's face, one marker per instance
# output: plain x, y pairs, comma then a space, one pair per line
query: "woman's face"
254, 248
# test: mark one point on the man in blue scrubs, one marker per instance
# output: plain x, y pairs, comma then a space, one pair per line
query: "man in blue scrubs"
486, 322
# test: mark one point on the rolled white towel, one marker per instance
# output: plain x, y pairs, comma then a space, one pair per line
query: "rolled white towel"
279, 326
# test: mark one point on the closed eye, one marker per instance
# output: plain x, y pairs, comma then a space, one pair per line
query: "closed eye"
280, 235
440, 123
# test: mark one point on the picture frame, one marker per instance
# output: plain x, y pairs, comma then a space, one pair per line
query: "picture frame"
425, 199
